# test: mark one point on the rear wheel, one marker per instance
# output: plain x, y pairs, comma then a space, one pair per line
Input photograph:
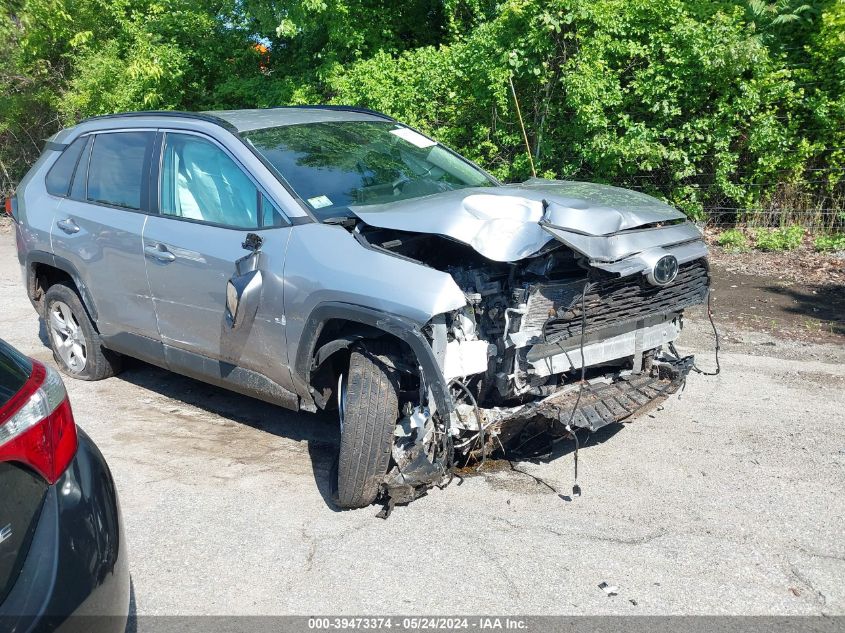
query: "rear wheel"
368, 405
75, 343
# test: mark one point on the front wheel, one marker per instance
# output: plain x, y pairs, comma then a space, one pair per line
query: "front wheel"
368, 405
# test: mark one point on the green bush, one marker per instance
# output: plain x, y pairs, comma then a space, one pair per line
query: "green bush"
830, 243
733, 240
783, 239
733, 107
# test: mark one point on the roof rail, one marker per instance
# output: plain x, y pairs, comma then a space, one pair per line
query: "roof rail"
166, 113
342, 108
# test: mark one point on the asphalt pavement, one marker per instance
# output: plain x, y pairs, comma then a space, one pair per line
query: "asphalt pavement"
728, 500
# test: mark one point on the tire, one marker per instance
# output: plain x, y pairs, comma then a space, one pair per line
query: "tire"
77, 347
368, 414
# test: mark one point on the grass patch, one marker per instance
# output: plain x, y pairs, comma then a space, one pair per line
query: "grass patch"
733, 240
830, 243
783, 239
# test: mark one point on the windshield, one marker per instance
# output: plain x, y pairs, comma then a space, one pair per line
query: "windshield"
337, 164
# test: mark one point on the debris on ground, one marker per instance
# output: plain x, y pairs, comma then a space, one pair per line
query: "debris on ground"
610, 590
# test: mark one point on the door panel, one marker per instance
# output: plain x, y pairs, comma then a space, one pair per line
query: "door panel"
105, 247
208, 206
189, 293
102, 237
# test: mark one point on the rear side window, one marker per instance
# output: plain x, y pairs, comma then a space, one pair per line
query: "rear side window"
118, 168
61, 173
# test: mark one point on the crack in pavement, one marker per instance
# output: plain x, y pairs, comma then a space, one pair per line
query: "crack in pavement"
312, 548
820, 597
639, 540
819, 555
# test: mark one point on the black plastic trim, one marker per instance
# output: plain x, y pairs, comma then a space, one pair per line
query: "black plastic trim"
79, 180
339, 108
209, 370
154, 174
175, 114
59, 263
229, 376
137, 346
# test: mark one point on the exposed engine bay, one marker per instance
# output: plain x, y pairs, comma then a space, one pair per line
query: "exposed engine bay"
544, 346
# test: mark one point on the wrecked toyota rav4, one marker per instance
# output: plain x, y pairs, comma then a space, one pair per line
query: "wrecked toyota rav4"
333, 258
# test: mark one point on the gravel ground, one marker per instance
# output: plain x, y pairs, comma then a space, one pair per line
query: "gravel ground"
729, 500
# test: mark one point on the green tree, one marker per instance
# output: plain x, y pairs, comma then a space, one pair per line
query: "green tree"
732, 108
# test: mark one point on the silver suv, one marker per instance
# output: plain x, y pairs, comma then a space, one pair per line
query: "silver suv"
333, 258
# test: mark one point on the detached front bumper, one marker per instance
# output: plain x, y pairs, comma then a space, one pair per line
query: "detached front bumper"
528, 429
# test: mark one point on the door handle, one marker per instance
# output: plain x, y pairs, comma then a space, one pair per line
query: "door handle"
68, 226
159, 252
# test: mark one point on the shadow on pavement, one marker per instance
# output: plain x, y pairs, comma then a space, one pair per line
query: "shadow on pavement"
319, 431
819, 303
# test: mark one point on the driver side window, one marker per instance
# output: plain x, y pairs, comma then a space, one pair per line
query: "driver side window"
199, 181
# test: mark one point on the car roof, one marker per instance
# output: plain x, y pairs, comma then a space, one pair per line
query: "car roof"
257, 118
260, 118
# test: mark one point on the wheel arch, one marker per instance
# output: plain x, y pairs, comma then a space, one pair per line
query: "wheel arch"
45, 269
333, 327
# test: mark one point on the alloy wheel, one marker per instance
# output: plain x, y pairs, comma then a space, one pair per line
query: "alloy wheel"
68, 338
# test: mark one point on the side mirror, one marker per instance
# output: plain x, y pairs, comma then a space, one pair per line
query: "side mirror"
242, 297
253, 242
243, 290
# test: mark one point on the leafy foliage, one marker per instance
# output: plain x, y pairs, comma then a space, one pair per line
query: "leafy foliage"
733, 240
729, 109
783, 239
830, 242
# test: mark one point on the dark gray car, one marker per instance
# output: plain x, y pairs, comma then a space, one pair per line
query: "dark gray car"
333, 258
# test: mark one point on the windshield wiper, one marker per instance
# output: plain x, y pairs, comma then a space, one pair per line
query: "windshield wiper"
346, 221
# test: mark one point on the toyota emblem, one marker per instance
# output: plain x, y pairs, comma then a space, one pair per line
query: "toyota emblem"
665, 270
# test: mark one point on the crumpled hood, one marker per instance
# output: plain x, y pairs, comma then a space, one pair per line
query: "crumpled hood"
509, 223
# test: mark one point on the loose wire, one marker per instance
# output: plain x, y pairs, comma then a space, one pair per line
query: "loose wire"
576, 490
715, 336
466, 390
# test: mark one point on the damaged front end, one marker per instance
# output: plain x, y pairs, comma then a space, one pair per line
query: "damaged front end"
529, 429
574, 296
